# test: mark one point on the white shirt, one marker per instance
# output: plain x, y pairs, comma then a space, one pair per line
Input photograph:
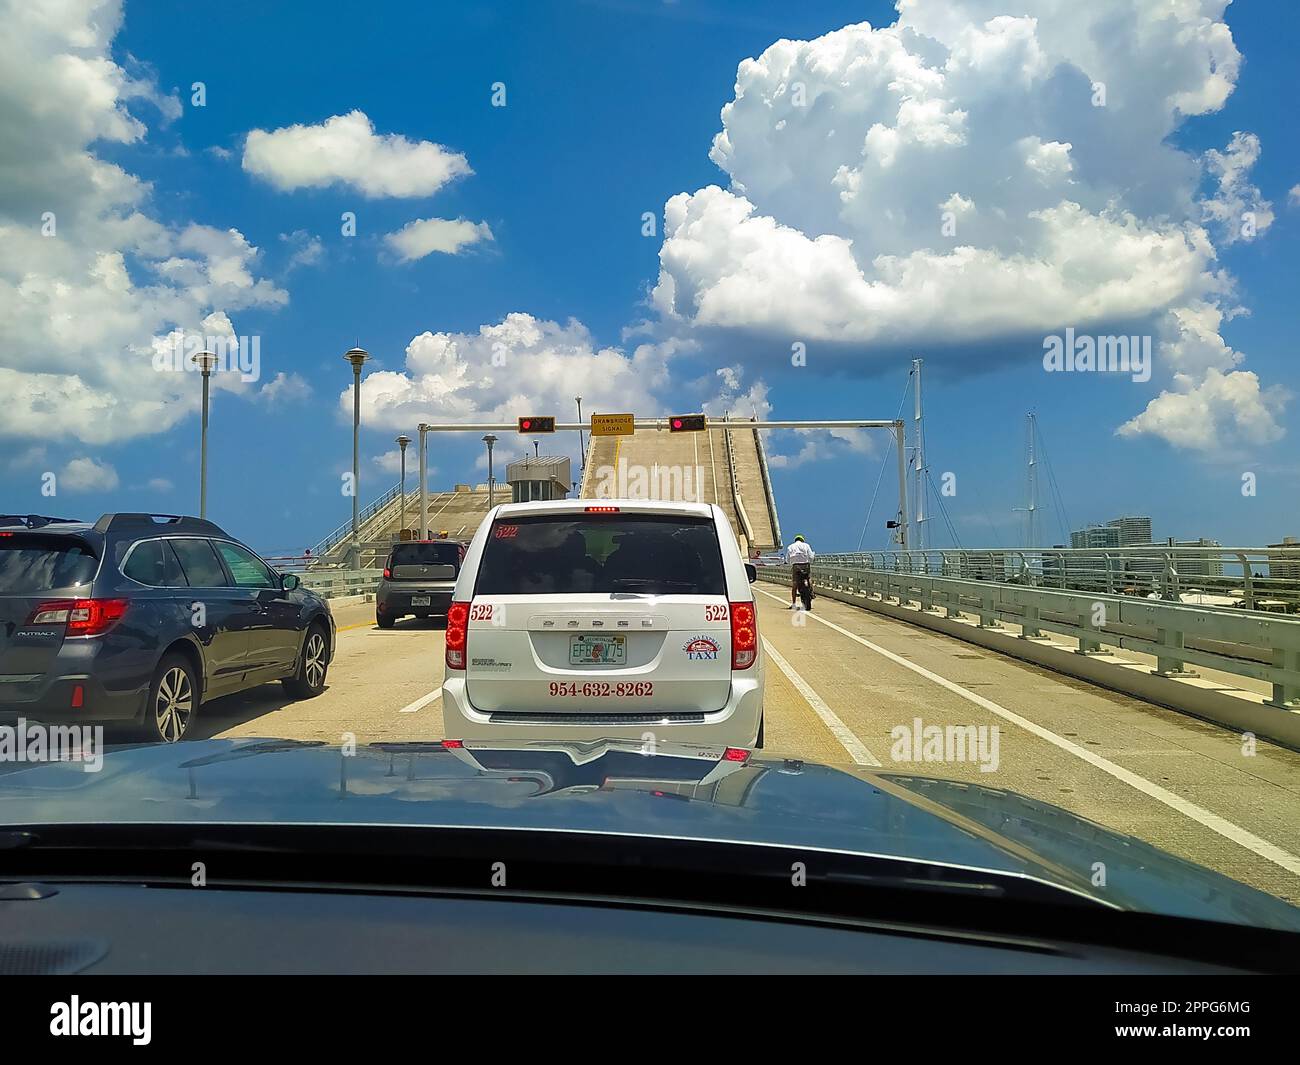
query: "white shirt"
799, 552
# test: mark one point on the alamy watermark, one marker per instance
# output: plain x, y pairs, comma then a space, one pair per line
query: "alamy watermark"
242, 355
649, 482
919, 742
1098, 354
29, 741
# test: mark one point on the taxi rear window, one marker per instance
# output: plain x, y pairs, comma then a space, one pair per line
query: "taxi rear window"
566, 554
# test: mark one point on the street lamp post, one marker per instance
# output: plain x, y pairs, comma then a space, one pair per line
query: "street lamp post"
357, 357
205, 360
424, 467
490, 440
402, 441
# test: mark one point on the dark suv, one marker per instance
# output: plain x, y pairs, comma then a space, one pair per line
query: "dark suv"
419, 576
139, 618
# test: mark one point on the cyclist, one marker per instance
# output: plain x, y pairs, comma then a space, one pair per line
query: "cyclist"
799, 556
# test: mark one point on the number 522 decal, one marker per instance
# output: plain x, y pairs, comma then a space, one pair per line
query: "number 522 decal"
715, 613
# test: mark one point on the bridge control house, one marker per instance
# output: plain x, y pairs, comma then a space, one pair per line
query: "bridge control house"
539, 478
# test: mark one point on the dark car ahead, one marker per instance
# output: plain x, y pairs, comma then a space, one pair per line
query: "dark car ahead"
138, 619
419, 577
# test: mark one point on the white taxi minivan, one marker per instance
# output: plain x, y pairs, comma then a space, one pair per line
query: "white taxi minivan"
584, 619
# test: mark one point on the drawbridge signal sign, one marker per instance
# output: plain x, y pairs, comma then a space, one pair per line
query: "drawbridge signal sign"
612, 425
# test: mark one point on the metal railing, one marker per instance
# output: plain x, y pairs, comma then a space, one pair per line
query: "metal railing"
1240, 642
770, 495
746, 528
338, 535
333, 583
1249, 578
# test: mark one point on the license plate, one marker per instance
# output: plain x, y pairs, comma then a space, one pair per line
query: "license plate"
597, 650
419, 600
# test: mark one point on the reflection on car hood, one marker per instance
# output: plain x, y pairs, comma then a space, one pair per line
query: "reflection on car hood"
679, 792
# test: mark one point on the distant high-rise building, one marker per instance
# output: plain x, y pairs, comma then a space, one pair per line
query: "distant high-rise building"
1285, 566
1095, 536
1133, 529
1210, 564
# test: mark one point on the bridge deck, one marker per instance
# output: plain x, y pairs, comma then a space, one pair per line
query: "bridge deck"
1177, 782
667, 463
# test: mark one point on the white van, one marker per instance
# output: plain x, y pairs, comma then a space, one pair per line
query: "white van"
596, 619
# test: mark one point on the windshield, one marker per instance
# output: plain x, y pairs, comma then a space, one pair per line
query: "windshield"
919, 395
569, 555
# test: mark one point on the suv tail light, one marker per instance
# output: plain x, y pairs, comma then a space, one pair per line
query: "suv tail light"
744, 635
457, 634
388, 574
83, 617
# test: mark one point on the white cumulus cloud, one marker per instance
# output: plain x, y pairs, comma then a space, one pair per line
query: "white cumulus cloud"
284, 388
424, 236
90, 281
979, 173
87, 475
345, 150
521, 364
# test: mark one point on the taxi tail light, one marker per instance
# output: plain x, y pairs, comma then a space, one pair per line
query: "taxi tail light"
457, 634
744, 635
83, 617
388, 574
735, 754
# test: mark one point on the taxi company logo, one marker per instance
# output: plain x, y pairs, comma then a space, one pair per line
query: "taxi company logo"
701, 649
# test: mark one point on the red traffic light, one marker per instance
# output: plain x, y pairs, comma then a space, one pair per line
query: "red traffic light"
687, 423
536, 424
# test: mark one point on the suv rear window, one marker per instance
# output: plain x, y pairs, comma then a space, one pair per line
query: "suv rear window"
44, 563
571, 553
438, 554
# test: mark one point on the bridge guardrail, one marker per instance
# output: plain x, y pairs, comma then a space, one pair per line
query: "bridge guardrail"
1256, 578
334, 583
344, 531
1240, 642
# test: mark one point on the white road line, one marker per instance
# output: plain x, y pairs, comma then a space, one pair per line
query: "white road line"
856, 748
422, 702
1225, 828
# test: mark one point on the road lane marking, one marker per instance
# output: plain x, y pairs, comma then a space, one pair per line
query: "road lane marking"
857, 749
421, 702
1207, 818
359, 624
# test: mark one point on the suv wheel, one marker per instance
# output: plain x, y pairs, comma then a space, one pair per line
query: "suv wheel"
173, 701
384, 621
309, 681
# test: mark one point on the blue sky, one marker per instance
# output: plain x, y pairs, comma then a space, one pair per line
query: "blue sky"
611, 109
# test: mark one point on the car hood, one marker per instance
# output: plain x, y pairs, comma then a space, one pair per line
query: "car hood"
617, 788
